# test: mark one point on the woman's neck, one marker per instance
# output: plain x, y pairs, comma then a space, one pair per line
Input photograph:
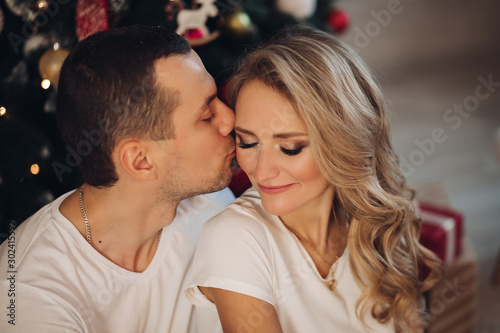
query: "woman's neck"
313, 220
321, 229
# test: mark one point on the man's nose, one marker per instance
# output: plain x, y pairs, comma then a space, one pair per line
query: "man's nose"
226, 117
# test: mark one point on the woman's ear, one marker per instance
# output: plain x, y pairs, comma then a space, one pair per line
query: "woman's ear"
135, 158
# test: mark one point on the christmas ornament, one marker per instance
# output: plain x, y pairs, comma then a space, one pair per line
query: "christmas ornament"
2, 20
37, 43
300, 9
193, 34
35, 46
91, 17
21, 8
338, 20
29, 10
189, 19
116, 10
237, 25
50, 64
172, 8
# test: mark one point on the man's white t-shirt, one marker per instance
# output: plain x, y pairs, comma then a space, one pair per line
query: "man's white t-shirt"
62, 284
246, 250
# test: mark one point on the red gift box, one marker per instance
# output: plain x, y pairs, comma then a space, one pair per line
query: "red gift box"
442, 231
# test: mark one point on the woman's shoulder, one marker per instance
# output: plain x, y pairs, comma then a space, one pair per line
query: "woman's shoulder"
247, 208
244, 215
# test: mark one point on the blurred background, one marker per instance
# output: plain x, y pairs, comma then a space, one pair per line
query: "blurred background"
431, 57
438, 61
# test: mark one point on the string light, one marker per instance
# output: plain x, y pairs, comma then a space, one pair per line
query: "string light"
45, 152
3, 111
45, 84
35, 169
42, 5
55, 46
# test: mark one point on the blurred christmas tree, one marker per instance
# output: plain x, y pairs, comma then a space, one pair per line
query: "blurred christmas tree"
36, 36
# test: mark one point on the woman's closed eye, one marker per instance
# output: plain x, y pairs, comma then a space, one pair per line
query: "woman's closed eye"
292, 152
289, 152
244, 145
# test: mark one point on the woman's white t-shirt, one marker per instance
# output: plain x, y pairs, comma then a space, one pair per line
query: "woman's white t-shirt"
246, 250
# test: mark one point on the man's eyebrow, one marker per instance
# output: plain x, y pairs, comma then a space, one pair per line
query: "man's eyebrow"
276, 135
205, 105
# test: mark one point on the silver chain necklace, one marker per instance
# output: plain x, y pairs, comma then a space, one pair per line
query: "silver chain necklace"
87, 225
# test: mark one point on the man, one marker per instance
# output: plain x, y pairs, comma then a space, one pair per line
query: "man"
138, 107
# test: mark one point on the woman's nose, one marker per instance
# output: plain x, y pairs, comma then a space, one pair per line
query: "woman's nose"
266, 168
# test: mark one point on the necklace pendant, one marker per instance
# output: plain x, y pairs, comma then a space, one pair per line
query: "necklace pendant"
332, 284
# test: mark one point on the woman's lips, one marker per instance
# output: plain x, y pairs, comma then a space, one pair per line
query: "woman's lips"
274, 189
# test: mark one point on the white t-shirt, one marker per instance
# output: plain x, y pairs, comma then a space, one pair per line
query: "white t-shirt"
246, 250
62, 284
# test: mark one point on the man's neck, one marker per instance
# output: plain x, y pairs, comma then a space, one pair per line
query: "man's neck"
125, 228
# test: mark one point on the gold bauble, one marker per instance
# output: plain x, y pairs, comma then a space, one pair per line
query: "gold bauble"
50, 64
238, 24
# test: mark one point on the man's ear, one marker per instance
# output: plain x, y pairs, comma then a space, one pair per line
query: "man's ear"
135, 158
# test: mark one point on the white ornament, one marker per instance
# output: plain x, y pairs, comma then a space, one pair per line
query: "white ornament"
196, 18
300, 9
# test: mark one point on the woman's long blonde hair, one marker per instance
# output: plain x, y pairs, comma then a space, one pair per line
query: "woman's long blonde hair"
344, 111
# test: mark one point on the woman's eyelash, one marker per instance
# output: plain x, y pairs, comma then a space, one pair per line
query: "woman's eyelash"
289, 152
244, 145
292, 152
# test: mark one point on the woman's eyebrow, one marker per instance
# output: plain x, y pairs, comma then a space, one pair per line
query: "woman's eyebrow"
288, 135
276, 135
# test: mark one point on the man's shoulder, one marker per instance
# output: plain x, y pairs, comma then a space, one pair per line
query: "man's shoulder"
196, 210
39, 228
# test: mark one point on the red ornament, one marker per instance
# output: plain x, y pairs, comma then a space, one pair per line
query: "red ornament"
91, 17
193, 34
338, 20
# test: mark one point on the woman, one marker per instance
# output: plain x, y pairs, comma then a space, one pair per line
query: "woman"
326, 239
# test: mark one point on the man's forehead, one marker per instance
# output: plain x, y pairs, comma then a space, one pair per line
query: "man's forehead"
173, 65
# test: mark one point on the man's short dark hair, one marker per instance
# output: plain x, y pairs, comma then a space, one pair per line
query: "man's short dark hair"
108, 92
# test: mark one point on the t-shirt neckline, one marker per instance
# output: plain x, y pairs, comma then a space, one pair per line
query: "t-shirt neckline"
91, 251
334, 269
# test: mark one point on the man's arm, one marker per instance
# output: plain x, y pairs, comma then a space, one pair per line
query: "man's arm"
239, 312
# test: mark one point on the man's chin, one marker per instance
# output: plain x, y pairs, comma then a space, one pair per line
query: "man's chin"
220, 183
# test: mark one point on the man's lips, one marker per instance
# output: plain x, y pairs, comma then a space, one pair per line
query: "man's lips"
274, 189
